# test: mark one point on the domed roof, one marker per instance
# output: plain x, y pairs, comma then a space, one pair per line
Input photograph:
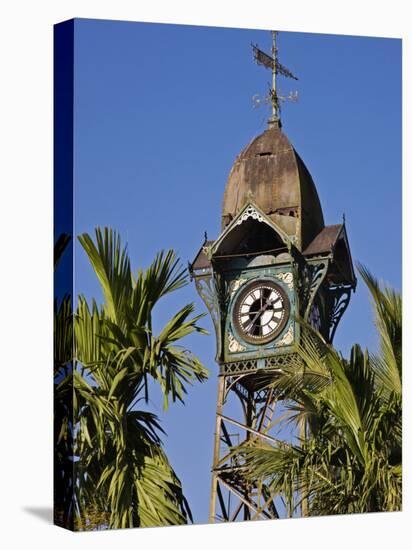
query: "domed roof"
270, 173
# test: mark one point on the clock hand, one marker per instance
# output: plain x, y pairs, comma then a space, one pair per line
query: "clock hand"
258, 314
269, 303
251, 322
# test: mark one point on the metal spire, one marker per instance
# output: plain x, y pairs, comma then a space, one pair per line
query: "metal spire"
275, 100
272, 62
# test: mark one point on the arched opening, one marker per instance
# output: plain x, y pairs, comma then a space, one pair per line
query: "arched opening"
250, 238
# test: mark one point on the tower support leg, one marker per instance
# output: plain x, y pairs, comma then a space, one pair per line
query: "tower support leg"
216, 451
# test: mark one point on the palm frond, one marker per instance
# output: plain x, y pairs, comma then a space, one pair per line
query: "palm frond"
119, 451
112, 267
387, 305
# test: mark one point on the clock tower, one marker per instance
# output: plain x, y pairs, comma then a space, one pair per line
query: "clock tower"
274, 263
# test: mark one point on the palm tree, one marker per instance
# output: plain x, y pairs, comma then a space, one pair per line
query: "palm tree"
350, 459
63, 404
122, 477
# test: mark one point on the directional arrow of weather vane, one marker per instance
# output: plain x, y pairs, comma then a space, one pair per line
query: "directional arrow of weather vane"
272, 62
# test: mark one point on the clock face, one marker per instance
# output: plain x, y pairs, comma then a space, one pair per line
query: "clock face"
261, 312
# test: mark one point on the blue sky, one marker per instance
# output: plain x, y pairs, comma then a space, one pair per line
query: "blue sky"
161, 111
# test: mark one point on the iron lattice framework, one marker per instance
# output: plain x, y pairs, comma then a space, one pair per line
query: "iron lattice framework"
232, 496
255, 416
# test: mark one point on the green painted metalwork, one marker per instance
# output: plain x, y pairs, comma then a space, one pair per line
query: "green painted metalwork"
273, 234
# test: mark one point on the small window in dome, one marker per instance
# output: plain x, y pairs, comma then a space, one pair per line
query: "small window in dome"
288, 211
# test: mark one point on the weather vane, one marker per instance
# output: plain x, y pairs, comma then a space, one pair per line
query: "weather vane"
272, 62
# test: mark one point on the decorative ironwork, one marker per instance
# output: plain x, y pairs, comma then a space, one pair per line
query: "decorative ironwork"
339, 300
207, 290
237, 367
287, 278
236, 285
205, 249
234, 384
250, 212
312, 277
278, 361
287, 338
268, 62
272, 62
262, 58
251, 365
234, 345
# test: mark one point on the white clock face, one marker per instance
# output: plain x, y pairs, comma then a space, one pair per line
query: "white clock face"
261, 312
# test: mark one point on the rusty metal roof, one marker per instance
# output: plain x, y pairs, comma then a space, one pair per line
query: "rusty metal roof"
324, 241
270, 173
201, 261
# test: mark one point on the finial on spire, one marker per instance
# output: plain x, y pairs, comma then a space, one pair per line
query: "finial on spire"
272, 62
275, 100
